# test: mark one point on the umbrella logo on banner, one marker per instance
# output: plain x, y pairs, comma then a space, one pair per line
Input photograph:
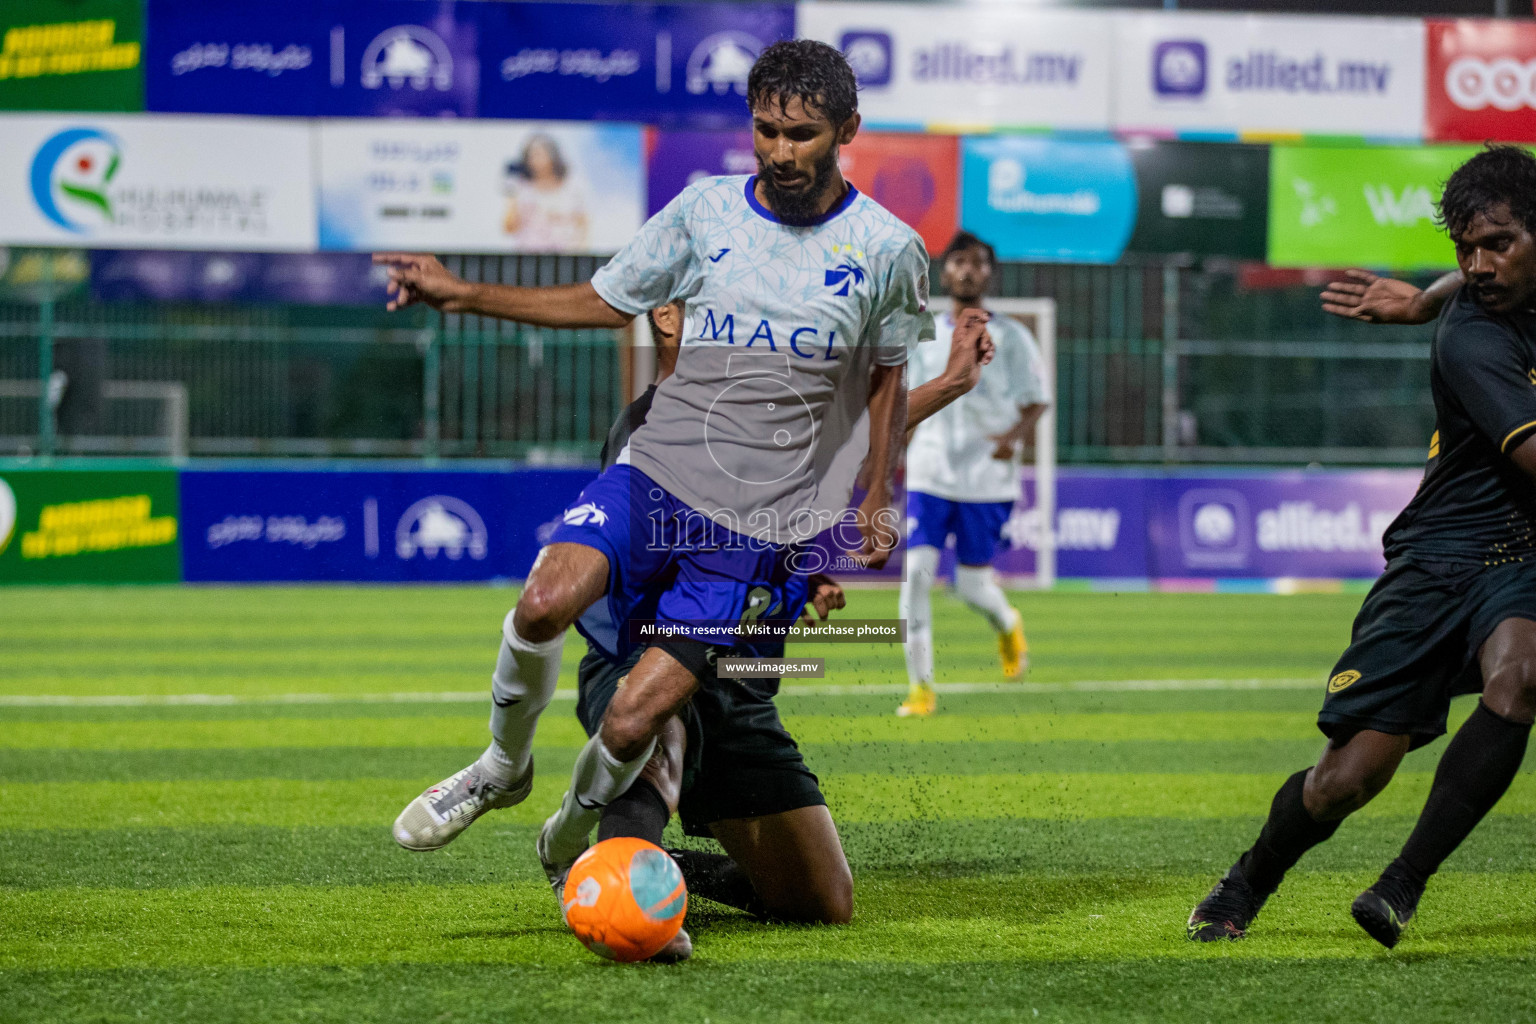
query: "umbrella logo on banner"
721, 63
71, 172
408, 53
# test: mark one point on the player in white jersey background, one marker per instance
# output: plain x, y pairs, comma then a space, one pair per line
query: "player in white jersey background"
963, 474
804, 298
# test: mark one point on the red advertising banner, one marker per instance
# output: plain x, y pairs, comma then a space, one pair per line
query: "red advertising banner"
916, 177
1481, 81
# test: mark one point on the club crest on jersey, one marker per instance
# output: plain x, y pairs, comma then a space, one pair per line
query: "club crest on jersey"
1343, 680
847, 274
584, 514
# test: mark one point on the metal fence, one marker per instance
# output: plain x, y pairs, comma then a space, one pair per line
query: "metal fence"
1156, 363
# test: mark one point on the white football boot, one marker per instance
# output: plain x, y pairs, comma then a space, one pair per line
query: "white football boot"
435, 819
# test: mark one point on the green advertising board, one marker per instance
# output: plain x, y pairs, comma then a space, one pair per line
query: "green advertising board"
89, 526
1365, 206
71, 55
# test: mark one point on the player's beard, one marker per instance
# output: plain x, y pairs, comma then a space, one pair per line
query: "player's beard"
798, 205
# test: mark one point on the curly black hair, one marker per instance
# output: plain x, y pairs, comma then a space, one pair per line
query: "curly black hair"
965, 240
813, 72
1499, 174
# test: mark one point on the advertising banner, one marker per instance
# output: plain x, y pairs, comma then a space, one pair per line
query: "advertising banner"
483, 186
1481, 81
1100, 527
916, 177
342, 58
34, 275
1051, 200
1207, 198
306, 279
80, 55
992, 66
1274, 524
374, 526
676, 158
112, 182
1369, 207
1229, 73
669, 64
89, 527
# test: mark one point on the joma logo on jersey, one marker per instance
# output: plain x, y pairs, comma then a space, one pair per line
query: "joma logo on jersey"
805, 342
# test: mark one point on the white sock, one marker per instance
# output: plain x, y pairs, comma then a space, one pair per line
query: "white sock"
977, 587
597, 780
922, 564
521, 688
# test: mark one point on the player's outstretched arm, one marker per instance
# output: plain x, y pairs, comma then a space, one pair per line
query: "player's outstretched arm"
970, 348
419, 278
1384, 300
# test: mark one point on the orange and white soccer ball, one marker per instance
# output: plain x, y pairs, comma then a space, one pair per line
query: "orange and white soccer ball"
625, 899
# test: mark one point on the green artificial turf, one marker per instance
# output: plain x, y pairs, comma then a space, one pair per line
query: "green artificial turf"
1030, 853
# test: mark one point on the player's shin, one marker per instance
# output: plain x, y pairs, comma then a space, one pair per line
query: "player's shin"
1289, 832
598, 779
921, 566
521, 688
716, 877
976, 585
640, 812
1477, 767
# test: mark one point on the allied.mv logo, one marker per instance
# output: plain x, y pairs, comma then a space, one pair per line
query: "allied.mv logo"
70, 175
443, 524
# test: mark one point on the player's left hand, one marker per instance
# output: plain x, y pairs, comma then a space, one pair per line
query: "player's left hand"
1376, 300
826, 596
1005, 446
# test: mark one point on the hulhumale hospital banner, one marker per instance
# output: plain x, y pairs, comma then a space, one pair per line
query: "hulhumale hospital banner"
1364, 207
115, 181
985, 67
480, 186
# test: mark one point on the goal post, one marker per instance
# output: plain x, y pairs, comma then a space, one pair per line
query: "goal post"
1039, 315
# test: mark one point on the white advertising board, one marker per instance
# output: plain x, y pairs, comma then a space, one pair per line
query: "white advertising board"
149, 181
480, 186
983, 67
1231, 73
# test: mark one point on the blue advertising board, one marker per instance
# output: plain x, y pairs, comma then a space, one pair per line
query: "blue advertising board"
333, 58
373, 527
667, 64
1045, 199
305, 279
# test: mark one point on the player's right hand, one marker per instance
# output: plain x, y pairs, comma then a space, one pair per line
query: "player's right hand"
417, 277
1375, 299
970, 348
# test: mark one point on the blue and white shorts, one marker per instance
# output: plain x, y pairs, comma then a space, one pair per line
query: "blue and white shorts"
976, 525
672, 572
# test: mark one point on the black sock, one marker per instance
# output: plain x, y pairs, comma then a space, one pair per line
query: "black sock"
639, 812
1475, 770
717, 877
1289, 833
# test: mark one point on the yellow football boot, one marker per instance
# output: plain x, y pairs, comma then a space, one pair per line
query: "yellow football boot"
920, 703
1014, 649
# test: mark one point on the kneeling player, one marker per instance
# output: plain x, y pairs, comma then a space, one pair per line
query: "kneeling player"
1455, 611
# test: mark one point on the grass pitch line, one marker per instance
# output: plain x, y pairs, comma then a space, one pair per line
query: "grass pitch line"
479, 696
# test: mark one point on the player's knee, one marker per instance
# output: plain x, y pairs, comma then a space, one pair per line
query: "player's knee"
542, 611
1509, 690
627, 732
1333, 794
